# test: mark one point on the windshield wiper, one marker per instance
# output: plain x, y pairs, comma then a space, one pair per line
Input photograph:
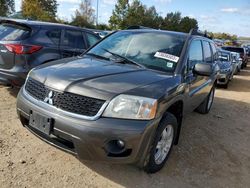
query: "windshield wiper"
97, 56
123, 59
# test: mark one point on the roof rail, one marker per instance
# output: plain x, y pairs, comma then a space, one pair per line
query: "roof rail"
137, 27
196, 31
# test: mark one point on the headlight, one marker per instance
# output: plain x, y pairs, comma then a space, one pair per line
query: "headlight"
131, 107
226, 70
28, 75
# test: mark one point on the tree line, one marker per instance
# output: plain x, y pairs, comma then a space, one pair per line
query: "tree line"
124, 14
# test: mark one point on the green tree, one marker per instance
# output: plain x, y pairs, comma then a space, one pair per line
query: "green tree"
44, 10
49, 6
139, 14
103, 27
7, 7
172, 21
85, 15
175, 22
136, 13
119, 15
186, 24
224, 36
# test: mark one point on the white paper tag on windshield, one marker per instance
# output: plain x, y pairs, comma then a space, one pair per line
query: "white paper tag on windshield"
167, 56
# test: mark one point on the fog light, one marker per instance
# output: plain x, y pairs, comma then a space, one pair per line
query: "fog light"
115, 146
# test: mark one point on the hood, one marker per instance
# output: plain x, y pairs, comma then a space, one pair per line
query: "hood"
224, 64
98, 78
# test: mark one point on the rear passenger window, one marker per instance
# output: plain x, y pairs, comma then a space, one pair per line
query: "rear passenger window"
207, 52
214, 51
73, 39
91, 39
54, 36
195, 54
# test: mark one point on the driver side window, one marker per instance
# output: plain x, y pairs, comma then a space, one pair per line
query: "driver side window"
195, 54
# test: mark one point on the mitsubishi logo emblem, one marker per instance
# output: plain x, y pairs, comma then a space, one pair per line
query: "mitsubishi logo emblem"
49, 98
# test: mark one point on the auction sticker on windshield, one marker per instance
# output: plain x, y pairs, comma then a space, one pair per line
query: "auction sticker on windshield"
166, 56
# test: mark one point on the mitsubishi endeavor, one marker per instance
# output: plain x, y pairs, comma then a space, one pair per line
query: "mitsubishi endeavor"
124, 99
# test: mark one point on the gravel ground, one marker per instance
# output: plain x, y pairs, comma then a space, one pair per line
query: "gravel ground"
214, 151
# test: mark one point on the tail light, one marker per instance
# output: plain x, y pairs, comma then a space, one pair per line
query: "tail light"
22, 49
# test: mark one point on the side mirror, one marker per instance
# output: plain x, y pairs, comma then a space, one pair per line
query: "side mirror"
203, 69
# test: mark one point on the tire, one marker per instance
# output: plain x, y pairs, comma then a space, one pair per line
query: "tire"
239, 69
225, 86
156, 158
206, 105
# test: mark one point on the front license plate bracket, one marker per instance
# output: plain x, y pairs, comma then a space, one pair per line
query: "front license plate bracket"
40, 122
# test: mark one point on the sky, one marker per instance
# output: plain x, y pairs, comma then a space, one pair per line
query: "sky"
230, 16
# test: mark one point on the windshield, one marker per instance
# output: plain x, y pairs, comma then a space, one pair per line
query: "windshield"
11, 32
233, 49
154, 50
224, 56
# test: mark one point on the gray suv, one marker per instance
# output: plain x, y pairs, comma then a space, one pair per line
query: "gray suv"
122, 101
26, 44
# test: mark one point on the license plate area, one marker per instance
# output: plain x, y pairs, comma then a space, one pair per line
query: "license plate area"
40, 122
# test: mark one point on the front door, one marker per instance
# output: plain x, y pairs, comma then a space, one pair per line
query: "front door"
195, 82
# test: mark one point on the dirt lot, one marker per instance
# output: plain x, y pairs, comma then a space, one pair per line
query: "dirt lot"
214, 151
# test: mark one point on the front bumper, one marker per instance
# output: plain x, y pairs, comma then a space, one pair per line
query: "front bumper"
88, 139
223, 78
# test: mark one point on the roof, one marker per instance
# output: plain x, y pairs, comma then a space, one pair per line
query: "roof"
156, 31
231, 47
224, 51
39, 23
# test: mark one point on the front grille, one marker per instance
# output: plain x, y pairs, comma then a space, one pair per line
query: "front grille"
69, 102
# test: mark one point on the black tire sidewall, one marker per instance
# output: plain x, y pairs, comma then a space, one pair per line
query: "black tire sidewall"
208, 108
151, 166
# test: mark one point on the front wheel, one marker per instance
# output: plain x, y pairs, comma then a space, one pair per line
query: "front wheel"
162, 144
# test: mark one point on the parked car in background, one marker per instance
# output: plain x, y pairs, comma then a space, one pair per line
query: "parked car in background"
101, 33
26, 44
241, 51
234, 62
248, 52
123, 101
237, 61
218, 42
226, 68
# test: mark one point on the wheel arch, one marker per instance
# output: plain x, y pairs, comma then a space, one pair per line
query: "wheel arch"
177, 109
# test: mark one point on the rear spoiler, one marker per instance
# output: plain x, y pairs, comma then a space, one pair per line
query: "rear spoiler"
14, 22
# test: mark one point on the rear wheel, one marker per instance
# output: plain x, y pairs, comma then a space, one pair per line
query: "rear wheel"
239, 68
226, 85
162, 144
206, 105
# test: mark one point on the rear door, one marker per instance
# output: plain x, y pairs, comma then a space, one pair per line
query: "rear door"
195, 82
49, 38
73, 43
10, 33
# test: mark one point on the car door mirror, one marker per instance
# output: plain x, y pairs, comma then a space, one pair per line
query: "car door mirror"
203, 69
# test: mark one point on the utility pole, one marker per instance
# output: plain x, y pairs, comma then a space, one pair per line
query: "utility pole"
97, 11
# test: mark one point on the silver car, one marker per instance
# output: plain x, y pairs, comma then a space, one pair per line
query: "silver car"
237, 60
